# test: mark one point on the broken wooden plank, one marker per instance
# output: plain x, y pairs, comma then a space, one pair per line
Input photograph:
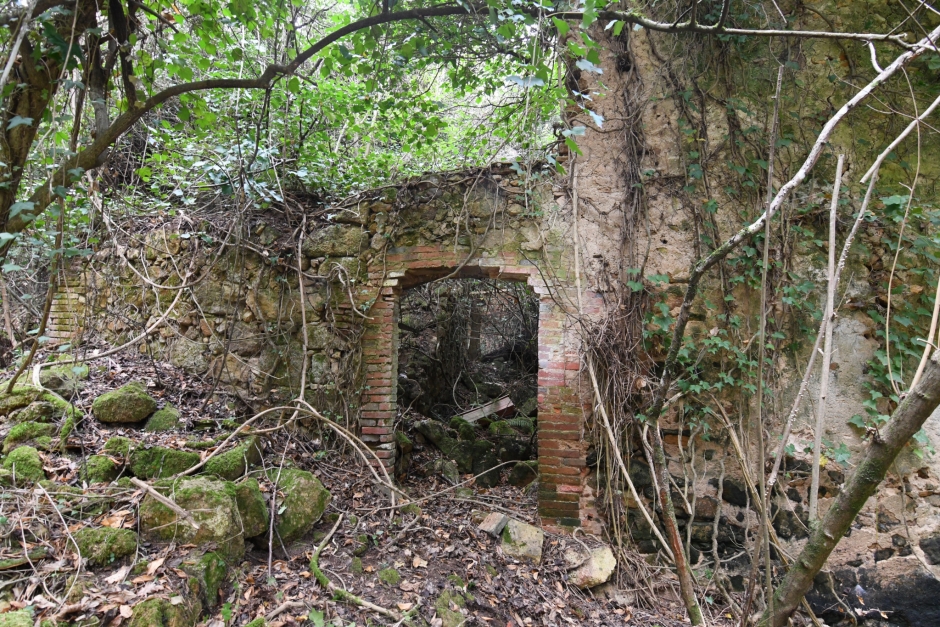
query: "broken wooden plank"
501, 406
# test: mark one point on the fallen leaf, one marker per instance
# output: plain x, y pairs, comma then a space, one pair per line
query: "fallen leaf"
182, 574
176, 600
118, 575
142, 579
417, 562
404, 607
155, 565
408, 586
126, 611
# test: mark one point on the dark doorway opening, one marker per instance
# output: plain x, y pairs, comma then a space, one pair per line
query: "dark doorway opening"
468, 371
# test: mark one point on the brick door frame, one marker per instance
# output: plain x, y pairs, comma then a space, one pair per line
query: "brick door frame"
565, 490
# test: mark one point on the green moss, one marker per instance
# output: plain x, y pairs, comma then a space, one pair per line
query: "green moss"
68, 425
103, 545
492, 571
304, 503
129, 403
465, 430
207, 576
162, 613
26, 432
258, 622
21, 618
20, 397
161, 462
356, 566
119, 445
445, 602
411, 508
389, 576
166, 419
252, 508
456, 581
139, 568
25, 464
232, 464
99, 469
66, 379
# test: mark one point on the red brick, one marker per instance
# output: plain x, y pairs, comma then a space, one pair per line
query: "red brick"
377, 430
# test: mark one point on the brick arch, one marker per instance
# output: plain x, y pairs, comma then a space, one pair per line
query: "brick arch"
565, 492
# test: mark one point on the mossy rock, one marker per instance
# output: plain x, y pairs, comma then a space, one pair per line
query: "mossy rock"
160, 462
162, 613
524, 473
465, 430
356, 566
252, 508
213, 506
119, 445
99, 469
304, 503
207, 575
403, 442
20, 397
129, 403
20, 618
165, 419
233, 464
38, 411
444, 605
28, 432
104, 545
25, 465
389, 576
65, 379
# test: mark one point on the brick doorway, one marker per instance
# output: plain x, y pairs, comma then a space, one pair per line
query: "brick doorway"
565, 494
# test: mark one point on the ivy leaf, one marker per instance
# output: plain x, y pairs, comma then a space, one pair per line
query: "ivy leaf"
18, 120
561, 25
598, 118
572, 145
587, 66
19, 207
590, 14
525, 83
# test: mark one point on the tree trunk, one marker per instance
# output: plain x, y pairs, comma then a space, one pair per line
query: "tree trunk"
907, 420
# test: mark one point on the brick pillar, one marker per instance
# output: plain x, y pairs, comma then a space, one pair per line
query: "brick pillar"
562, 450
380, 350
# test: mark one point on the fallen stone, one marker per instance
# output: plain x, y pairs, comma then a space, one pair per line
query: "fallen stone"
207, 575
494, 523
25, 465
66, 379
304, 502
165, 419
160, 462
99, 469
129, 403
103, 545
522, 541
252, 508
157, 612
524, 473
38, 433
591, 568
233, 464
213, 506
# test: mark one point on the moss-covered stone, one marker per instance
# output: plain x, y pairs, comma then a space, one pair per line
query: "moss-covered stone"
20, 397
27, 432
129, 403
38, 411
232, 464
165, 419
99, 469
448, 606
160, 462
206, 577
25, 465
524, 473
389, 576
211, 503
20, 618
465, 430
119, 445
65, 379
103, 545
162, 613
304, 503
252, 508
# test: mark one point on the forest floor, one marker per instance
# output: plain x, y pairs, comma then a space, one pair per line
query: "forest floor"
404, 560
